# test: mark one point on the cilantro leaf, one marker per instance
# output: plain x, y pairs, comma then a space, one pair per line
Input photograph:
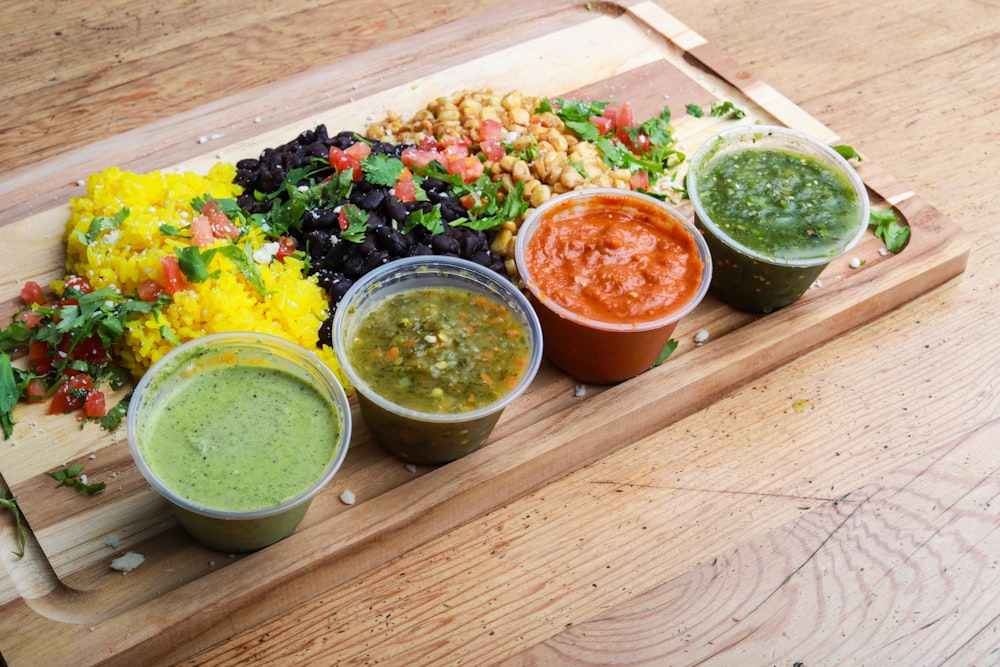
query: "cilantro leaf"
668, 349
102, 224
886, 226
357, 223
69, 477
848, 153
727, 108
382, 169
194, 263
431, 221
695, 110
8, 395
11, 504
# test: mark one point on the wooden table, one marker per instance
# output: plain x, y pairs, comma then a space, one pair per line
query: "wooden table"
841, 509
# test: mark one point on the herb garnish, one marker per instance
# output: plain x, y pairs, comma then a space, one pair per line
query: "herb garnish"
102, 224
887, 227
665, 353
69, 477
11, 504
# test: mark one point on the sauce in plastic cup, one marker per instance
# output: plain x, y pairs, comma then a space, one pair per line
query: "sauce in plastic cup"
776, 206
428, 391
238, 432
611, 273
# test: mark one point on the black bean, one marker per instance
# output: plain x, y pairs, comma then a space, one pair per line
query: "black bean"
395, 209
445, 244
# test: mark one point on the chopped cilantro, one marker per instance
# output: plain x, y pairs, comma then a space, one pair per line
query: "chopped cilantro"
668, 349
101, 224
431, 221
69, 477
695, 110
886, 226
8, 394
848, 153
194, 263
11, 504
727, 108
357, 223
381, 169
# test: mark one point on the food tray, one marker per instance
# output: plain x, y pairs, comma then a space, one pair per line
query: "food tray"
185, 597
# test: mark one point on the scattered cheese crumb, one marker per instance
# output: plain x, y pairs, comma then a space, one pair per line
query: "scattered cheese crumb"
111, 541
579, 390
412, 468
347, 497
855, 263
128, 562
701, 337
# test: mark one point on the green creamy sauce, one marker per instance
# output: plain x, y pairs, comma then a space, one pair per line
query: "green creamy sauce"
780, 204
241, 437
440, 349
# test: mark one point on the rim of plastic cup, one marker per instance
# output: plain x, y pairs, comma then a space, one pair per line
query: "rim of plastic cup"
437, 268
229, 340
711, 148
527, 228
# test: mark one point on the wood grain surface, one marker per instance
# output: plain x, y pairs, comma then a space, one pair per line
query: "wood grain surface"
839, 510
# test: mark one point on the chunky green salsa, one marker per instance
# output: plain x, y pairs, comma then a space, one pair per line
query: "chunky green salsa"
780, 204
440, 349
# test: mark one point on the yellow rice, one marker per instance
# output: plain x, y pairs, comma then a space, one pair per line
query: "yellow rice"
294, 307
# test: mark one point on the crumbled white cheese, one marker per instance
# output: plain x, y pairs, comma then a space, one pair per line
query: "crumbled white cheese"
111, 541
701, 337
412, 468
580, 390
855, 262
128, 562
266, 253
347, 497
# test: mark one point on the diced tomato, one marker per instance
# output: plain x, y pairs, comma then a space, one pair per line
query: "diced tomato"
469, 168
201, 232
455, 142
71, 394
418, 157
340, 161
428, 143
621, 114
173, 279
95, 405
604, 123
286, 246
38, 356
490, 130
89, 349
493, 150
359, 150
456, 149
469, 201
148, 290
31, 318
342, 220
222, 226
639, 179
405, 190
31, 293
35, 391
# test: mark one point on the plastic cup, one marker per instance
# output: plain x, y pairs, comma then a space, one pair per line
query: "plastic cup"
422, 436
607, 349
764, 262
250, 498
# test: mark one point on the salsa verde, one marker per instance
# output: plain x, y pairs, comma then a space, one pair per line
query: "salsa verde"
440, 349
241, 437
780, 204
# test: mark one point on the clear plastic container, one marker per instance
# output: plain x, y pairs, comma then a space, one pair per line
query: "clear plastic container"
420, 436
774, 268
606, 351
235, 443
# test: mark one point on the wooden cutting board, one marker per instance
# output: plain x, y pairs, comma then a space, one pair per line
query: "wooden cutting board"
184, 597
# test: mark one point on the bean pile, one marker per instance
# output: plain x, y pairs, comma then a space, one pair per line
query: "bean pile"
338, 263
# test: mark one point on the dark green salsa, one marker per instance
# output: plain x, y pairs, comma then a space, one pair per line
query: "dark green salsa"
783, 205
440, 349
